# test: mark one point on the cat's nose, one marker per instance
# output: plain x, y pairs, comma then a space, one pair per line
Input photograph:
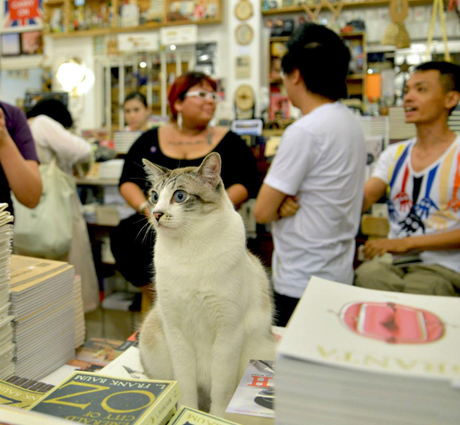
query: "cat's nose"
158, 215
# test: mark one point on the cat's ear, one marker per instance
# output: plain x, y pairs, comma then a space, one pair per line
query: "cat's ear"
153, 170
209, 170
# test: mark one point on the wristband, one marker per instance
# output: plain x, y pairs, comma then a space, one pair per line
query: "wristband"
142, 206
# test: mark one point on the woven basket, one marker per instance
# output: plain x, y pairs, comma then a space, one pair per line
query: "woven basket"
390, 38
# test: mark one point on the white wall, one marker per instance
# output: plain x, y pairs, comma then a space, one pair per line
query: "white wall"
15, 83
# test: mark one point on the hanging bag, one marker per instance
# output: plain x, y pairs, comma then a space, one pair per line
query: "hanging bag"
46, 230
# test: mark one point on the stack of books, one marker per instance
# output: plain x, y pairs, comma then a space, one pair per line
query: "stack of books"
42, 303
80, 328
399, 130
124, 139
454, 120
376, 126
6, 330
359, 356
111, 169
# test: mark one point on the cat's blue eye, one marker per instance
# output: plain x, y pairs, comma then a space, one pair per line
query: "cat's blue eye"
155, 197
180, 196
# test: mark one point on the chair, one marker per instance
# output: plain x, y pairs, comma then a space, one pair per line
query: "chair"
374, 227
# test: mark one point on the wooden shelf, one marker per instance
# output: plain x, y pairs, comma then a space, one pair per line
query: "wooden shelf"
354, 4
112, 25
85, 33
356, 77
118, 30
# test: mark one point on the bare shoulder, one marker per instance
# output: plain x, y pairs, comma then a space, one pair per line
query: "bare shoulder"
220, 132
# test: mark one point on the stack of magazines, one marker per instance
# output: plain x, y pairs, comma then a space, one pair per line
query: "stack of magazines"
43, 306
454, 120
80, 328
359, 356
6, 330
399, 130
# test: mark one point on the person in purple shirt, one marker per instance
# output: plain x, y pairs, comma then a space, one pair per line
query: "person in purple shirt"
18, 159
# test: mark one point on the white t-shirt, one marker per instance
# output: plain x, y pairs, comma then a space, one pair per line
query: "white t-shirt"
321, 160
425, 202
51, 138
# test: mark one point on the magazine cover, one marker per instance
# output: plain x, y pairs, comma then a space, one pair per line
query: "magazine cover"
189, 416
255, 393
380, 331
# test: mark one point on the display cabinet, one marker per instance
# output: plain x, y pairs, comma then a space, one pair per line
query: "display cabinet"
151, 74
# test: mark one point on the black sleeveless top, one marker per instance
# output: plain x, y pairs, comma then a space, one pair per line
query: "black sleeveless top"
238, 162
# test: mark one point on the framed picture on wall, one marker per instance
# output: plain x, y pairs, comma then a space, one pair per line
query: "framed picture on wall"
32, 43
11, 44
31, 99
19, 15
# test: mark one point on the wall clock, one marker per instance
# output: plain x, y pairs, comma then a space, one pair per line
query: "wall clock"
244, 34
243, 10
244, 97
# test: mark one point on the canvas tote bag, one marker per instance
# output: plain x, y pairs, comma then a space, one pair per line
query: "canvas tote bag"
46, 230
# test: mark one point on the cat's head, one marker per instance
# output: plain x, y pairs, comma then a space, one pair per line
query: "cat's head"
183, 197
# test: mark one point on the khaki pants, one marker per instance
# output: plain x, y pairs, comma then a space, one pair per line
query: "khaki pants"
414, 278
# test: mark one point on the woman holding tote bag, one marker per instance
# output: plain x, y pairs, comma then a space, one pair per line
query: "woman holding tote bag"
59, 150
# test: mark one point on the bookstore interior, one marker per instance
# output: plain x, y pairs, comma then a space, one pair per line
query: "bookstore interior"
71, 337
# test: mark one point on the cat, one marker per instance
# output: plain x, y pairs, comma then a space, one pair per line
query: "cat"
214, 308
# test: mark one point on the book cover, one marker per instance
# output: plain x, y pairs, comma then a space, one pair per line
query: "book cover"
89, 398
21, 392
12, 416
128, 365
188, 416
279, 107
102, 351
24, 269
386, 332
254, 396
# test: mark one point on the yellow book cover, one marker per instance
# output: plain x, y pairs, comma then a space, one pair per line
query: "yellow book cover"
15, 395
95, 399
188, 416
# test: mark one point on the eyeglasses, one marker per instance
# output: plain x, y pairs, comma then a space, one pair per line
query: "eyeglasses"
203, 94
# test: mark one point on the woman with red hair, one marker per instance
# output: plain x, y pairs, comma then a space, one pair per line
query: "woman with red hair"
184, 142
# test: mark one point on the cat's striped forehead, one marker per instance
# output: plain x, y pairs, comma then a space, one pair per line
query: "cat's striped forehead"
178, 177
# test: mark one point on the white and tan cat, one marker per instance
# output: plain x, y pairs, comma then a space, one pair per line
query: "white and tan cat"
214, 308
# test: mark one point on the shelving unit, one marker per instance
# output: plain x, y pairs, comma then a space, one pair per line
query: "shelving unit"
349, 4
123, 75
356, 82
99, 17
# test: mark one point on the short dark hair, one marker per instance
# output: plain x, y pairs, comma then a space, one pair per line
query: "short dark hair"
182, 84
136, 96
450, 73
54, 109
322, 59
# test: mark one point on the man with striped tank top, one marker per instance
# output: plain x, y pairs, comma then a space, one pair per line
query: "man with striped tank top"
421, 179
